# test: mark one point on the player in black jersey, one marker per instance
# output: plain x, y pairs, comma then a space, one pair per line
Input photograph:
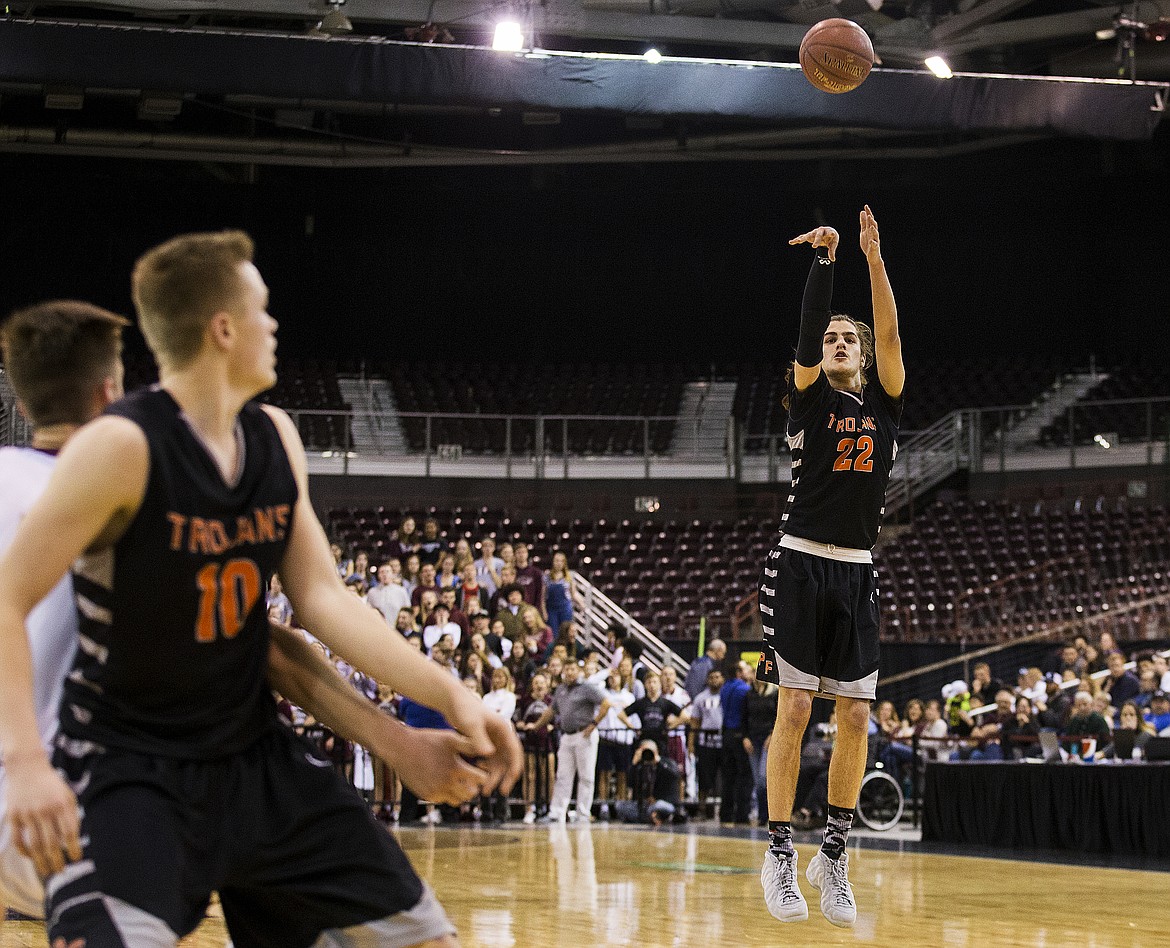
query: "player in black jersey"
177, 507
62, 360
818, 588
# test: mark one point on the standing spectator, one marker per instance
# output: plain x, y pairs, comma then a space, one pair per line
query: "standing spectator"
538, 747
342, 563
279, 608
521, 667
626, 670
404, 623
507, 554
388, 596
759, 718
615, 751
735, 764
445, 576
448, 596
558, 595
439, 626
1121, 685
696, 679
406, 540
502, 700
676, 738
426, 581
566, 637
472, 596
361, 567
431, 546
1107, 644
463, 557
426, 605
499, 598
488, 566
478, 644
531, 580
534, 627
510, 611
416, 715
706, 717
502, 647
579, 707
410, 573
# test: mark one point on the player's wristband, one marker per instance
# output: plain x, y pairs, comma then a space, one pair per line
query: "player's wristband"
814, 310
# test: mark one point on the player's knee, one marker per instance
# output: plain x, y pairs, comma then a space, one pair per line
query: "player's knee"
794, 710
853, 714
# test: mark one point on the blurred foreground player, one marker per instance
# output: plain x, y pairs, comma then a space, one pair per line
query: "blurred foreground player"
818, 589
184, 499
63, 362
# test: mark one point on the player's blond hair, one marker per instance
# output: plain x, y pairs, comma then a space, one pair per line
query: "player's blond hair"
179, 285
864, 339
56, 354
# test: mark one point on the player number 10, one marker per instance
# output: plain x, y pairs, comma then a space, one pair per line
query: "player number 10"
848, 461
226, 594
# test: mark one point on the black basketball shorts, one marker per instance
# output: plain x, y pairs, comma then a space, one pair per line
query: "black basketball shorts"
820, 620
294, 853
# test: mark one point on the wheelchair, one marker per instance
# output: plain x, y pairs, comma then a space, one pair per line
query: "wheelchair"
881, 802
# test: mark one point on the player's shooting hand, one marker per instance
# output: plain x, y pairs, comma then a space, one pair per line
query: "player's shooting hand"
825, 237
871, 244
491, 740
43, 815
438, 771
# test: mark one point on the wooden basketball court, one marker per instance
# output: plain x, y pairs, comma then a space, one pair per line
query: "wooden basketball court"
610, 885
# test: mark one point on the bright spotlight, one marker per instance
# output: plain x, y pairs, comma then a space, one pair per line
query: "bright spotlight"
508, 36
939, 67
652, 55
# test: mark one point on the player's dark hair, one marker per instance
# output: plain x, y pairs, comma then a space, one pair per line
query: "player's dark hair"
864, 338
57, 353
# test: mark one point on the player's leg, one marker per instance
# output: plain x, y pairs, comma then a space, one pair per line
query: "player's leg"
308, 865
789, 587
138, 884
850, 672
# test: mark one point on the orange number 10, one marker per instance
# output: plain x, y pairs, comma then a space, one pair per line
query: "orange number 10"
231, 593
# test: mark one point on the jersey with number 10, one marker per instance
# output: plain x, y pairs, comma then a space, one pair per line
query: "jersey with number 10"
173, 649
843, 447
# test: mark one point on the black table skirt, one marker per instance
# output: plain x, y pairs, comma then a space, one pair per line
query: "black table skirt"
1094, 808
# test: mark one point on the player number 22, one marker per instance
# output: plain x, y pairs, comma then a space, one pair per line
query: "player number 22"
226, 595
848, 461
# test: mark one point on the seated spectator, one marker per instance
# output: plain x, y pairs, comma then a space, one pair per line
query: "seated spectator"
1094, 661
1130, 720
1071, 660
1085, 722
912, 721
1158, 715
988, 731
1030, 684
1020, 735
488, 566
958, 708
431, 546
389, 595
1148, 681
1162, 670
1102, 706
441, 625
1057, 703
984, 687
935, 727
1121, 685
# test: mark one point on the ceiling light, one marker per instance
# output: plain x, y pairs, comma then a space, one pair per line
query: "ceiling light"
652, 55
508, 36
939, 67
333, 23
1106, 34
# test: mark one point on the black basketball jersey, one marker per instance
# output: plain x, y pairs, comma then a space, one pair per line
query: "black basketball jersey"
173, 650
843, 447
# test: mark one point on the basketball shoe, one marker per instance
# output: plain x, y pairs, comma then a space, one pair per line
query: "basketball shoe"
781, 892
831, 876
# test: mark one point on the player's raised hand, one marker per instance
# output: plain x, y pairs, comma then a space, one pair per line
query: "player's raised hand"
825, 237
43, 815
871, 244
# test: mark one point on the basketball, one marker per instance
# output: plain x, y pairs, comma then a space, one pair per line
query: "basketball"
836, 55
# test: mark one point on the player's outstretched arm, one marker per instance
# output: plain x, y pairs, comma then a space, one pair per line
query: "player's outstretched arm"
97, 484
363, 639
430, 762
887, 342
814, 309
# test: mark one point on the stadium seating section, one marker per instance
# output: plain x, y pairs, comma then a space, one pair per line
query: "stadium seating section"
1127, 423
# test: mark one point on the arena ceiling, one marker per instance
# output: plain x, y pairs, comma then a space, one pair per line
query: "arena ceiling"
256, 81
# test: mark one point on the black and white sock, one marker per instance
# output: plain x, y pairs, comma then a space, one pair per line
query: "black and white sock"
780, 839
837, 831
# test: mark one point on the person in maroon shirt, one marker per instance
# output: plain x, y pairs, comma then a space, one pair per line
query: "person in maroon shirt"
531, 580
448, 597
426, 580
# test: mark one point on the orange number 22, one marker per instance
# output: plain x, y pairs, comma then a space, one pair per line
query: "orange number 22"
862, 462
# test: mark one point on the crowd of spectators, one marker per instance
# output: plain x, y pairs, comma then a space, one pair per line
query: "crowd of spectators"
635, 741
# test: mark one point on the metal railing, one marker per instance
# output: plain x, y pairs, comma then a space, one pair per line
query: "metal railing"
598, 613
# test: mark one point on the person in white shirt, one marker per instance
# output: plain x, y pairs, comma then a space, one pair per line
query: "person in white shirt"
389, 595
676, 737
501, 699
615, 752
439, 626
488, 566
